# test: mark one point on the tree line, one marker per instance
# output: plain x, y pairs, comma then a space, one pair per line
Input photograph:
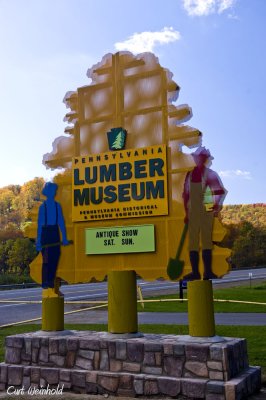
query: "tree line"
246, 230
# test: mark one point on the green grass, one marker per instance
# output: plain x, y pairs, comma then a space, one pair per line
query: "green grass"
255, 335
256, 293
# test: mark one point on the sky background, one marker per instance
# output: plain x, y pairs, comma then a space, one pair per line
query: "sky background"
215, 49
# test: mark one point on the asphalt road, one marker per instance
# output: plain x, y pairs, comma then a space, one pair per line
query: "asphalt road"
14, 312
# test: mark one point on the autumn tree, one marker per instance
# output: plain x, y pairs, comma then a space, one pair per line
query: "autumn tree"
20, 255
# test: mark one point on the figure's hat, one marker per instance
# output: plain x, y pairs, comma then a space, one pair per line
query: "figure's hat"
202, 151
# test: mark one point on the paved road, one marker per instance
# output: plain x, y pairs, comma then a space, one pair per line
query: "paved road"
167, 318
10, 313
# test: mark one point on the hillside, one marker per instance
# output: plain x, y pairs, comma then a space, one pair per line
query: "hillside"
253, 213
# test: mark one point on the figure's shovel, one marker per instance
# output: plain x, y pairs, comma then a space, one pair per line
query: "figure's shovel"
175, 265
47, 246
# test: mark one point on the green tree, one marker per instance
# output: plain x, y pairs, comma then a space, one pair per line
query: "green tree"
249, 247
20, 255
4, 250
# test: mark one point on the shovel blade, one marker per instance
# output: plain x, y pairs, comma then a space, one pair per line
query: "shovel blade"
175, 268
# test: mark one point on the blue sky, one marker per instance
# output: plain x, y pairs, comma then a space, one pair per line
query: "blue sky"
215, 49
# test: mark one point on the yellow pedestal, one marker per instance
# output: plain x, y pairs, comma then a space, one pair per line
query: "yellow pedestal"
200, 309
53, 313
122, 302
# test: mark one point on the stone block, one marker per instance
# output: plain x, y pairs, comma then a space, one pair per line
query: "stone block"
27, 371
230, 391
27, 345
91, 388
131, 367
215, 365
14, 341
150, 387
168, 349
72, 344
26, 382
104, 360
138, 385
126, 382
64, 375
51, 375
111, 349
44, 354
193, 388
158, 359
36, 342
96, 360
216, 375
89, 344
103, 344
169, 386
35, 354
70, 359
53, 346
153, 347
65, 385
197, 368
197, 352
125, 393
108, 382
152, 370
25, 356
62, 348
115, 365
3, 373
121, 350
43, 382
78, 378
59, 361
179, 350
91, 377
14, 375
89, 354
44, 341
135, 352
149, 358
173, 366
35, 375
211, 396
215, 387
83, 363
216, 352
13, 355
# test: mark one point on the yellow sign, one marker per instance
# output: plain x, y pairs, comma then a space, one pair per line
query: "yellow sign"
120, 184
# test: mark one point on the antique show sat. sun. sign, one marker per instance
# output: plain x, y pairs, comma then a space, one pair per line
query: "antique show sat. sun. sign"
120, 184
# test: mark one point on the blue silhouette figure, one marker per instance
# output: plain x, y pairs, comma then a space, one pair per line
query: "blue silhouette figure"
50, 219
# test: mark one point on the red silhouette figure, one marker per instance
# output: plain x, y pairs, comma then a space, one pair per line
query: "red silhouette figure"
203, 196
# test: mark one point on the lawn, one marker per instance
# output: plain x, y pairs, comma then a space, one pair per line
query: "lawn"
255, 335
256, 293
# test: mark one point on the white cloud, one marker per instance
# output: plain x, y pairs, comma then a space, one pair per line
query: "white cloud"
146, 41
205, 7
237, 173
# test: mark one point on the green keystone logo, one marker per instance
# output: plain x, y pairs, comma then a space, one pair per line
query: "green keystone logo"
116, 138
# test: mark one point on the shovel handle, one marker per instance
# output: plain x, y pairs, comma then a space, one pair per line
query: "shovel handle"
46, 246
182, 240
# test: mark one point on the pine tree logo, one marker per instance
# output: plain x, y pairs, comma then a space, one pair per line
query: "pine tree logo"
116, 138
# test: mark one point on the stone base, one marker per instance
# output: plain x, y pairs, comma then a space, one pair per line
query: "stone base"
161, 365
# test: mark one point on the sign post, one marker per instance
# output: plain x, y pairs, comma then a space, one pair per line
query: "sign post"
122, 302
